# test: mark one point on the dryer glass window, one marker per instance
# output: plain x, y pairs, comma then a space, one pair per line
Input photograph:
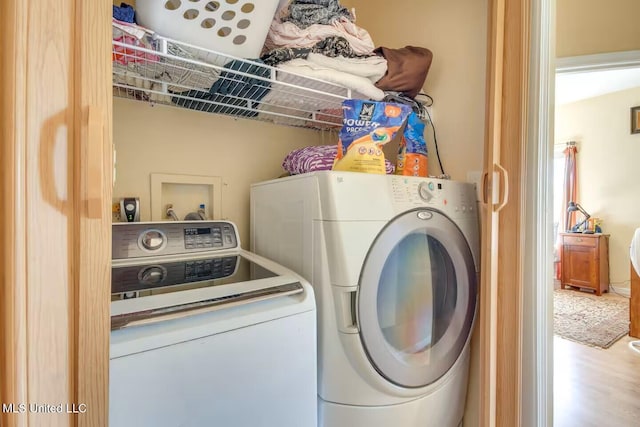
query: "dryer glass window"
416, 295
416, 298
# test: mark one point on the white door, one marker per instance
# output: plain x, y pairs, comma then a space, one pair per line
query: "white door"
417, 298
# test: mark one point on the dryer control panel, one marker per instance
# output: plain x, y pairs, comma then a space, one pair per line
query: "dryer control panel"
451, 197
135, 240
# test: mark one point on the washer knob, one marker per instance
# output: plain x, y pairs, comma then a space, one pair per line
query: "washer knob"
424, 192
152, 275
152, 240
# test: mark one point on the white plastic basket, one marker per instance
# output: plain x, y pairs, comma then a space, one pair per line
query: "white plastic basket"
235, 27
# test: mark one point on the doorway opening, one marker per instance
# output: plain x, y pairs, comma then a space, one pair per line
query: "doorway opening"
592, 94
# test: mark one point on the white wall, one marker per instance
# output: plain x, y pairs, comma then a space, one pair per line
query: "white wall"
608, 180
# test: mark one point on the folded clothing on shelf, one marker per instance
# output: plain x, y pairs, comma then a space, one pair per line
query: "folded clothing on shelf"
288, 34
133, 56
332, 47
321, 71
124, 13
407, 69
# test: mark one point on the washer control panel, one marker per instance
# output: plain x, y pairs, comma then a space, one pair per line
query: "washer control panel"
137, 239
146, 277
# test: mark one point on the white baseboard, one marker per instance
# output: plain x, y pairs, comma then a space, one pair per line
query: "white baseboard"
622, 290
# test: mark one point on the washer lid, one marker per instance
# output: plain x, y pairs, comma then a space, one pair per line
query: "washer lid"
417, 298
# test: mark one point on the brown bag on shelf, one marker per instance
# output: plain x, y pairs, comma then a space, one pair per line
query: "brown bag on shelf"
407, 69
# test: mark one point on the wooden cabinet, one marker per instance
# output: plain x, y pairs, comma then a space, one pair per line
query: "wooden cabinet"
585, 261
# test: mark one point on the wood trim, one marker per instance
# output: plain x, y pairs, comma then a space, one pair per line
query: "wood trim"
93, 163
488, 289
510, 241
13, 297
501, 298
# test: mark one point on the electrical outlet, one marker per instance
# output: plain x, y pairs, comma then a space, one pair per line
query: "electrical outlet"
115, 212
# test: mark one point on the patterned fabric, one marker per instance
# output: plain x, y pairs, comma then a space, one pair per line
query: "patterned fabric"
284, 54
304, 13
335, 46
332, 47
316, 158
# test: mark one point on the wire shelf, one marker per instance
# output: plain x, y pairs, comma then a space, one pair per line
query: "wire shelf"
164, 71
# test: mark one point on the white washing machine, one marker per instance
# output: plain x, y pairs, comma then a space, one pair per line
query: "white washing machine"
205, 333
394, 265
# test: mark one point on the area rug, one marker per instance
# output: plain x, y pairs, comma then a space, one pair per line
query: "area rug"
589, 319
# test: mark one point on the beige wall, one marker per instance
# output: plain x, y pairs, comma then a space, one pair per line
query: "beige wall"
608, 157
170, 140
586, 27
456, 34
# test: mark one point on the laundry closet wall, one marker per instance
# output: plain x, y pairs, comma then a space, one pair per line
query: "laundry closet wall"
170, 140
456, 33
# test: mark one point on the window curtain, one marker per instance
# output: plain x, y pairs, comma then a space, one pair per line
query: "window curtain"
570, 190
569, 193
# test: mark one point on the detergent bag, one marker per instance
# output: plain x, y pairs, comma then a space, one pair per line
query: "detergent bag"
412, 155
366, 127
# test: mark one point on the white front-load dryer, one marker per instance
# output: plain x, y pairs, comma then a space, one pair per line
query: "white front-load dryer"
394, 265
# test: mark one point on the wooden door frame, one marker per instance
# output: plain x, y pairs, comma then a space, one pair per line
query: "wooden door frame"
13, 58
515, 323
66, 42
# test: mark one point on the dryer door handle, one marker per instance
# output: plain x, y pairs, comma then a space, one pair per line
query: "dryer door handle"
345, 304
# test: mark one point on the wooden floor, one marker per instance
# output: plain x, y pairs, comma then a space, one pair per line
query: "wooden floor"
595, 387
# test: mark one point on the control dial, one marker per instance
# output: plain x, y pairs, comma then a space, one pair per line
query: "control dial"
423, 191
152, 275
152, 240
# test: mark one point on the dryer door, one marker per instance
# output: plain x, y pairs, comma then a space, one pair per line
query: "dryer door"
417, 298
